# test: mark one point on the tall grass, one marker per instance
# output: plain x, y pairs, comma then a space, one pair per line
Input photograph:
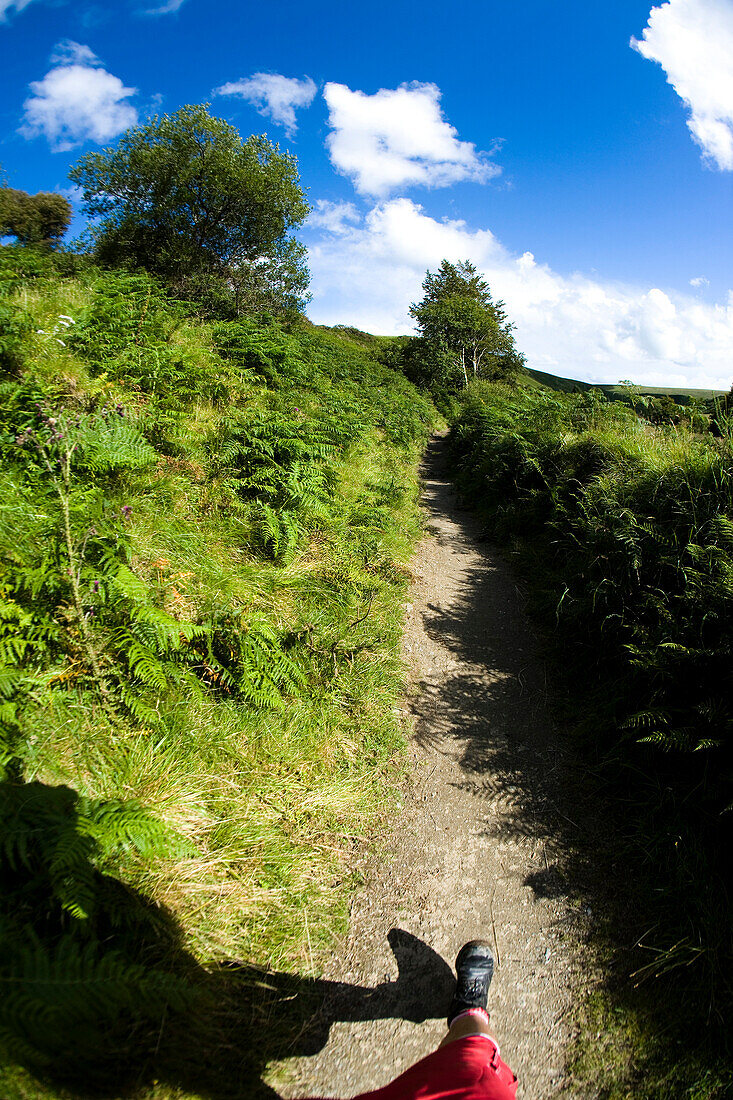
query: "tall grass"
625, 532
205, 531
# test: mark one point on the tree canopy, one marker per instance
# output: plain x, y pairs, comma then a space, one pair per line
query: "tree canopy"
186, 199
464, 334
33, 219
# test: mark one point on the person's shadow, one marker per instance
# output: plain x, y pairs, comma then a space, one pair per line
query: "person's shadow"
275, 1015
99, 996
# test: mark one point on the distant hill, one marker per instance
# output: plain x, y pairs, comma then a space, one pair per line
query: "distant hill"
571, 385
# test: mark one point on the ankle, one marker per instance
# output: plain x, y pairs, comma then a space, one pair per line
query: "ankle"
474, 1014
471, 1022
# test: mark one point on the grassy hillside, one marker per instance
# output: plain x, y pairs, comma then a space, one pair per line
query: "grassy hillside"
204, 529
570, 385
624, 532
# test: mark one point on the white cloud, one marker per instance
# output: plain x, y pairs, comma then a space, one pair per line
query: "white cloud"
8, 6
367, 275
335, 217
166, 9
72, 193
274, 96
69, 52
397, 138
693, 42
77, 101
699, 281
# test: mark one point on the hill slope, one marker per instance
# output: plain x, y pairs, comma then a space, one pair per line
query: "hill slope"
571, 385
205, 530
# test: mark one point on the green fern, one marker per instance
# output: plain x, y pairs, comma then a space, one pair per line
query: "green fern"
283, 467
64, 840
117, 825
111, 443
69, 1005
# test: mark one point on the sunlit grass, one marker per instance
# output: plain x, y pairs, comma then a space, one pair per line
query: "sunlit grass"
624, 532
274, 799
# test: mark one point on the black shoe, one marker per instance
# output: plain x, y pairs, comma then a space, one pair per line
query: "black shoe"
474, 970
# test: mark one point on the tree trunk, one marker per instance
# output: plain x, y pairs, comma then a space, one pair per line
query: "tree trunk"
463, 366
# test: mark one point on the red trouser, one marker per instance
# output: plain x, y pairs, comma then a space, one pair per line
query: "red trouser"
464, 1069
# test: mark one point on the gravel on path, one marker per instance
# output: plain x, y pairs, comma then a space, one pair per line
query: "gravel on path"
474, 852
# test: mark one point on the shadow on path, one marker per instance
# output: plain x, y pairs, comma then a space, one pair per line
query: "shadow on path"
493, 703
294, 1015
210, 1032
239, 1019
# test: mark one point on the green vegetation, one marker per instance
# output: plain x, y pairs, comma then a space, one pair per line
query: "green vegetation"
624, 529
205, 526
571, 385
463, 334
204, 531
40, 219
185, 199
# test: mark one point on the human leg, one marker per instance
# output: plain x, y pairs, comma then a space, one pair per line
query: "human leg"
467, 1064
473, 1022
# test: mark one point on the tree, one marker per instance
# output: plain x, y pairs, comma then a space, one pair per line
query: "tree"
465, 333
271, 284
33, 219
185, 198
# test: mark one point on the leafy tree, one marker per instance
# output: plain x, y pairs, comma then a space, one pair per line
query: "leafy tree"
464, 333
271, 284
33, 219
187, 200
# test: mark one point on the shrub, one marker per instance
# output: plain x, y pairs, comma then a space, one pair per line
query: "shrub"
626, 532
204, 530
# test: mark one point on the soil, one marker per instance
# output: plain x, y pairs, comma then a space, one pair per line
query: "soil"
477, 849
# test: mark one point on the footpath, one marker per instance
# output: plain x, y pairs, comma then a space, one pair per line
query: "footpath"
476, 850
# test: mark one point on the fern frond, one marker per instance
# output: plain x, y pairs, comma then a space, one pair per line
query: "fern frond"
145, 714
125, 825
113, 444
145, 666
55, 997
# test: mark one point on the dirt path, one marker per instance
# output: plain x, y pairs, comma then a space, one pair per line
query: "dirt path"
475, 848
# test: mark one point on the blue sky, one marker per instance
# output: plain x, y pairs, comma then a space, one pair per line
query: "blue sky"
580, 154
